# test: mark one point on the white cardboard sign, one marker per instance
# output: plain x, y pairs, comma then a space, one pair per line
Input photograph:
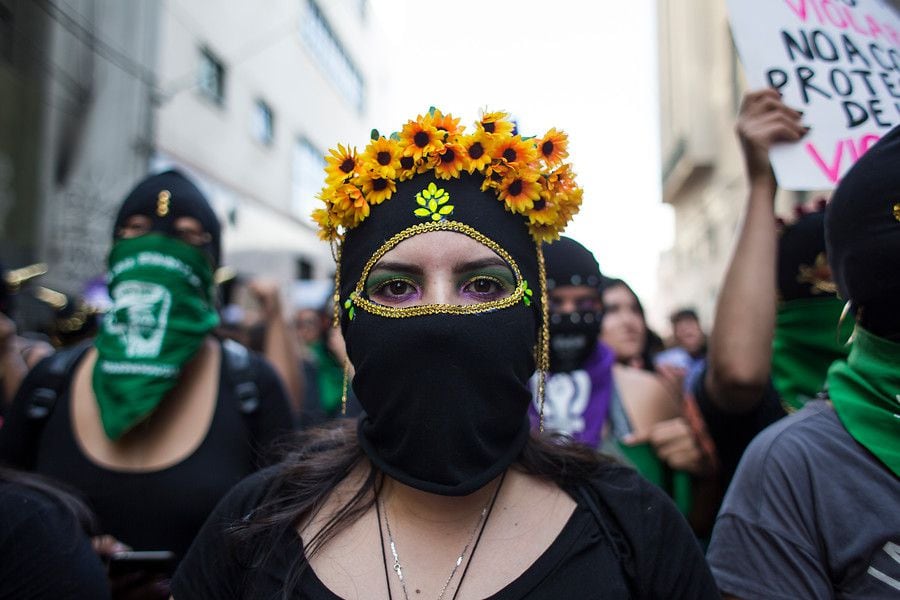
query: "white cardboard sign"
837, 61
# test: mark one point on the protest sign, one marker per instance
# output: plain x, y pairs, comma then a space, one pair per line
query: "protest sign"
836, 61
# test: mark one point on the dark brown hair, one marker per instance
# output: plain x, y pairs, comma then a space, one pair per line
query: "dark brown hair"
324, 456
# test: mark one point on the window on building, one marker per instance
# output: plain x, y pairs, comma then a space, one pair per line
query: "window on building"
263, 122
211, 77
304, 269
333, 59
306, 179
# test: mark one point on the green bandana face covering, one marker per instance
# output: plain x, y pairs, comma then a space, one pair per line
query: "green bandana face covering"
806, 342
162, 292
865, 392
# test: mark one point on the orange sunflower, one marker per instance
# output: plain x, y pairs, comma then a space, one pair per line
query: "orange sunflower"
496, 123
520, 189
445, 123
408, 168
478, 150
419, 138
349, 205
341, 164
513, 150
450, 161
377, 189
553, 147
382, 157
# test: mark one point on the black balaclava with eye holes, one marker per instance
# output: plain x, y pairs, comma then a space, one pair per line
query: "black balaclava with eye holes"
165, 197
445, 395
573, 336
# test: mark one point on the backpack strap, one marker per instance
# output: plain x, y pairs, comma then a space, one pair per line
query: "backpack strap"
609, 527
241, 373
55, 376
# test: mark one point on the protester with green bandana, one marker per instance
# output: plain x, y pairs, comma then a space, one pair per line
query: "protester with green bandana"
776, 328
813, 509
148, 423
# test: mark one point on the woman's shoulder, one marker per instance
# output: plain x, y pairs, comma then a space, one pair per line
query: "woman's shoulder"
645, 396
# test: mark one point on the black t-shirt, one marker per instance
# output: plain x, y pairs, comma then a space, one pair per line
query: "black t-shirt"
733, 432
163, 509
44, 553
666, 560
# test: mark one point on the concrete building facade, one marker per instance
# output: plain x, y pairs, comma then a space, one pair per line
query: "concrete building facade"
701, 85
250, 100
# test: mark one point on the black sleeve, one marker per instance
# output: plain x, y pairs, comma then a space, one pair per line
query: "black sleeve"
733, 432
273, 420
667, 559
212, 568
44, 553
19, 434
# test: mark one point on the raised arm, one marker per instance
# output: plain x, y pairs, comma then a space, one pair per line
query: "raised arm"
740, 344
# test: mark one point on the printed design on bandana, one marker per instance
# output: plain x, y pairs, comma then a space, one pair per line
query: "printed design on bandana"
139, 316
358, 299
566, 398
432, 203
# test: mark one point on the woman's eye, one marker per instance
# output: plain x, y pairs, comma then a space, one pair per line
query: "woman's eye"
485, 286
393, 290
397, 288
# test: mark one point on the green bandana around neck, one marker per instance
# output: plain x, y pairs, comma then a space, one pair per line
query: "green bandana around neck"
162, 292
865, 392
807, 341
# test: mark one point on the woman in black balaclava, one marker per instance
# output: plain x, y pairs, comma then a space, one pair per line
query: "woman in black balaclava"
813, 504
147, 421
439, 490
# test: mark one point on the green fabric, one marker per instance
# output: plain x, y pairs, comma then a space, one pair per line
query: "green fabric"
865, 392
162, 291
806, 342
677, 484
329, 378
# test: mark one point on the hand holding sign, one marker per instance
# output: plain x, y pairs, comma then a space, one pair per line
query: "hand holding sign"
836, 60
765, 120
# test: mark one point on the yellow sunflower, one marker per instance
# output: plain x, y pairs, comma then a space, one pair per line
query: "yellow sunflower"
327, 227
520, 189
450, 161
377, 189
419, 138
544, 233
349, 205
341, 164
478, 151
382, 157
496, 123
408, 168
513, 150
553, 147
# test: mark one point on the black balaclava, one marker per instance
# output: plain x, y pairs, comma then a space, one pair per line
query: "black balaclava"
573, 336
166, 197
445, 395
862, 234
803, 270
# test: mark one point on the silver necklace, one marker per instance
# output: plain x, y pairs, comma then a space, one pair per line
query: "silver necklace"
479, 527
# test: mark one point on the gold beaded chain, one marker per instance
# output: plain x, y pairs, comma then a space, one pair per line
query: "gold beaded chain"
432, 309
543, 358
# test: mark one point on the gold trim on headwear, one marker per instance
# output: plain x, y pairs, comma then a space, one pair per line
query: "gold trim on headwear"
543, 349
163, 201
357, 298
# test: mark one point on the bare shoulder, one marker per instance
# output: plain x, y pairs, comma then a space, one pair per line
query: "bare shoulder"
645, 397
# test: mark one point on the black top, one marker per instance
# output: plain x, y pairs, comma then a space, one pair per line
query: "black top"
164, 509
733, 432
44, 553
580, 563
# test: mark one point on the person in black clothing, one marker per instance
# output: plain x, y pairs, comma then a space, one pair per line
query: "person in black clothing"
45, 551
776, 327
156, 420
440, 490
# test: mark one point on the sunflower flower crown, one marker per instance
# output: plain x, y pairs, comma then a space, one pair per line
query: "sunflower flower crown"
527, 174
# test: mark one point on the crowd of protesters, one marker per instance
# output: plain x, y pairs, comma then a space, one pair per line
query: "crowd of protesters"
141, 434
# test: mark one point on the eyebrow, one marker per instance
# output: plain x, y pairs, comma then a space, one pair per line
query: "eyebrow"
473, 265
